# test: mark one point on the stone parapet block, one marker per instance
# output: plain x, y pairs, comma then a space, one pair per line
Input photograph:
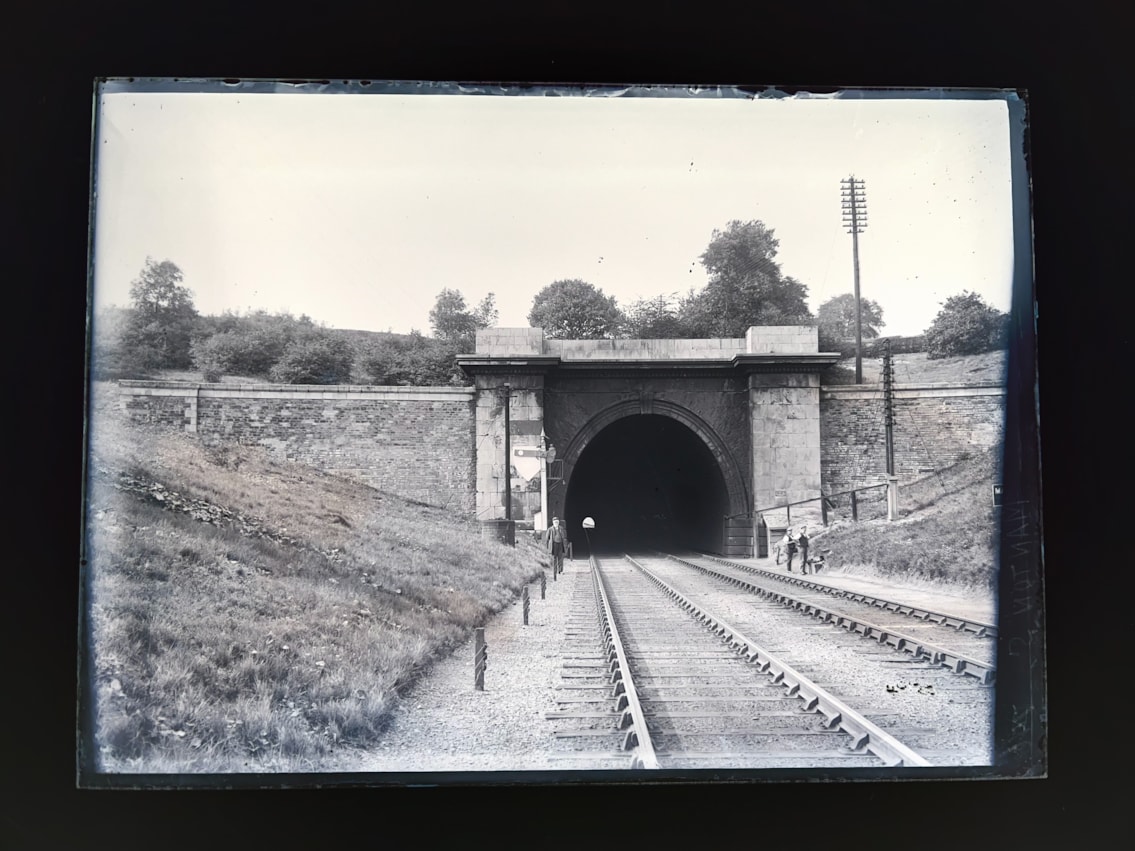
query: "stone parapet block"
782, 339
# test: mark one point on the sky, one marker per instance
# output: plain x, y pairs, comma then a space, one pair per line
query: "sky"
358, 209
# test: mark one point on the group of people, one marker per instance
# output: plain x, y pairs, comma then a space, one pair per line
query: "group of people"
555, 539
791, 544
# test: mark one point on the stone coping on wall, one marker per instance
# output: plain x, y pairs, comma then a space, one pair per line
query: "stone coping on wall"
607, 350
913, 391
390, 393
494, 343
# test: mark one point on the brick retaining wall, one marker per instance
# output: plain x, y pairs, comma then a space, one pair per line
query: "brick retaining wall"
416, 442
419, 442
935, 426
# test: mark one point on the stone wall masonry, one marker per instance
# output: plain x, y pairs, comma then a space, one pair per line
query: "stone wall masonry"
935, 426
782, 339
770, 339
526, 419
415, 442
499, 342
785, 422
574, 402
710, 349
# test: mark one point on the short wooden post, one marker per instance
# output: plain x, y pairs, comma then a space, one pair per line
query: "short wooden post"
854, 507
524, 603
543, 583
824, 509
480, 658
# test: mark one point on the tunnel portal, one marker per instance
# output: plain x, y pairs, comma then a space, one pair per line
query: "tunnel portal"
649, 482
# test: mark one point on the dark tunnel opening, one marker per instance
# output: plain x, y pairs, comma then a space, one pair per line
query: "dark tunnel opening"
649, 482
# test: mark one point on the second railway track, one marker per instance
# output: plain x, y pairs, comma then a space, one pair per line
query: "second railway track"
652, 681
964, 646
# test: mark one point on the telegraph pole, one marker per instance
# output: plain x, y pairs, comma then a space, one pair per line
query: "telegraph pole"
507, 457
889, 421
889, 404
854, 203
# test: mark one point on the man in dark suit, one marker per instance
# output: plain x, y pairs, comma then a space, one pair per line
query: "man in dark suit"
802, 544
556, 540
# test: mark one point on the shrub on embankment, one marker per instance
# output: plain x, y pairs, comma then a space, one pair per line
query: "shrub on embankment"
947, 530
249, 615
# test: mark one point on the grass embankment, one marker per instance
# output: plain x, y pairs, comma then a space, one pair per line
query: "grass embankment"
252, 615
919, 369
947, 530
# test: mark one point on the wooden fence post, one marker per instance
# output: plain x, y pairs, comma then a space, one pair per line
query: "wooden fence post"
480, 658
524, 603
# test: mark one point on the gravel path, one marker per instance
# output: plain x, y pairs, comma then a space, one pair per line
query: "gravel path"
445, 725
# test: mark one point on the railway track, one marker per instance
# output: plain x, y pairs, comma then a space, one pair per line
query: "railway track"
964, 646
956, 622
654, 679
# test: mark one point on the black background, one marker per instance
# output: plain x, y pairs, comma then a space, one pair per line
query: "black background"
1078, 86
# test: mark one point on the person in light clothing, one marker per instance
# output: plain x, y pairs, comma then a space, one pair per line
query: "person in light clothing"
556, 540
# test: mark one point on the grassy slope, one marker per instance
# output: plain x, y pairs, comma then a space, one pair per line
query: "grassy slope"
946, 532
261, 638
918, 369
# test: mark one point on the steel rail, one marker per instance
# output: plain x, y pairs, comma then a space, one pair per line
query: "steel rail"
638, 736
918, 648
978, 628
865, 735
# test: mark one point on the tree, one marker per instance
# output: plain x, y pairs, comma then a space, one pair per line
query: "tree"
414, 360
575, 310
966, 325
315, 357
746, 286
162, 319
454, 323
486, 313
244, 345
836, 320
653, 319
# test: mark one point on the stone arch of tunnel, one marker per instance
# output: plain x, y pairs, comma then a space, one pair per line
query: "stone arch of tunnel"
660, 480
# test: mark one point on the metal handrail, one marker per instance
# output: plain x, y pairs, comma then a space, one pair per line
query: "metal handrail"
817, 498
803, 501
